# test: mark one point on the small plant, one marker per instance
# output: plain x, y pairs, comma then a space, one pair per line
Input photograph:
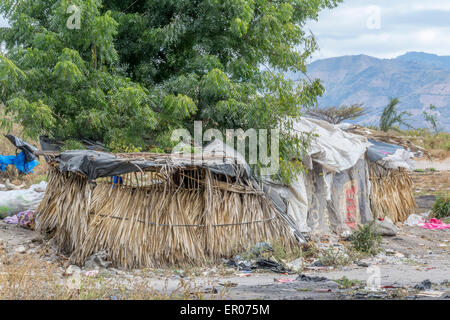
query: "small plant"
366, 239
3, 212
345, 283
441, 207
280, 252
332, 257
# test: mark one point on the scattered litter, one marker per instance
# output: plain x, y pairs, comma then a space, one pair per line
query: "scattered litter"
281, 280
72, 269
260, 248
91, 273
362, 264
320, 268
432, 224
242, 275
273, 266
20, 249
304, 277
11, 220
210, 290
97, 261
24, 219
260, 263
228, 284
295, 265
415, 220
424, 285
431, 293
323, 290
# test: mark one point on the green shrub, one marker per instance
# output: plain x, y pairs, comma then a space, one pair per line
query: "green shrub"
366, 239
4, 212
441, 207
72, 145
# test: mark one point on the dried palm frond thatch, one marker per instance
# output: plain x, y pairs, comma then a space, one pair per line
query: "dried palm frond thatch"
172, 216
391, 193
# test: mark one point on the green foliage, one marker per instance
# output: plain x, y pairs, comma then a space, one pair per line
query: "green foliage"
4, 210
136, 70
431, 117
346, 283
441, 207
72, 145
366, 239
336, 115
391, 117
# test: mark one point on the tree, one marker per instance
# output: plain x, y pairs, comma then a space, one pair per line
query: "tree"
136, 70
390, 116
431, 117
336, 115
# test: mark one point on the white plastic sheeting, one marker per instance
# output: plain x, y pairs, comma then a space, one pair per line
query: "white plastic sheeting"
335, 151
15, 201
333, 148
400, 159
296, 198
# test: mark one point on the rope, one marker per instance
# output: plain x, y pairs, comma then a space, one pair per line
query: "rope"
189, 225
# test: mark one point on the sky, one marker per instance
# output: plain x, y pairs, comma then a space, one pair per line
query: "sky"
383, 28
380, 28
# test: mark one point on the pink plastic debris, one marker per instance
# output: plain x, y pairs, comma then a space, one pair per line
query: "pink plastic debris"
435, 224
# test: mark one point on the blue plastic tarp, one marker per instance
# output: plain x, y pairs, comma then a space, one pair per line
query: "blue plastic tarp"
19, 161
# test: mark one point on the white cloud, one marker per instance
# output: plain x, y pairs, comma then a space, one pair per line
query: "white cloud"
405, 25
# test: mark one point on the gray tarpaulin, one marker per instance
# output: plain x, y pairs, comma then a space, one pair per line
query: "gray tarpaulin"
349, 205
27, 148
389, 155
380, 150
94, 164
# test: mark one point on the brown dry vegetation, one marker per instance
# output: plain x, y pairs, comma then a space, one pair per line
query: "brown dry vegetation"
437, 144
29, 277
431, 182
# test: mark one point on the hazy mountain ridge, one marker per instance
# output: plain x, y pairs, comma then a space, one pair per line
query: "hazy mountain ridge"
416, 78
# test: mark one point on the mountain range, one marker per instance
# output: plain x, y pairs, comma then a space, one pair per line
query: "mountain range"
417, 79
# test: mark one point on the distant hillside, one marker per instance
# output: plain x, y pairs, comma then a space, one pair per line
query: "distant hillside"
416, 78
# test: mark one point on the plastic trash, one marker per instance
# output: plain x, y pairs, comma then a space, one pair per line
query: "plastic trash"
415, 220
435, 224
25, 219
14, 201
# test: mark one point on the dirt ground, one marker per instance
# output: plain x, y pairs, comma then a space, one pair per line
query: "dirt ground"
409, 258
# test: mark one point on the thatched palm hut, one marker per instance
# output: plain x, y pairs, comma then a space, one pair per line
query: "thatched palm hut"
149, 210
